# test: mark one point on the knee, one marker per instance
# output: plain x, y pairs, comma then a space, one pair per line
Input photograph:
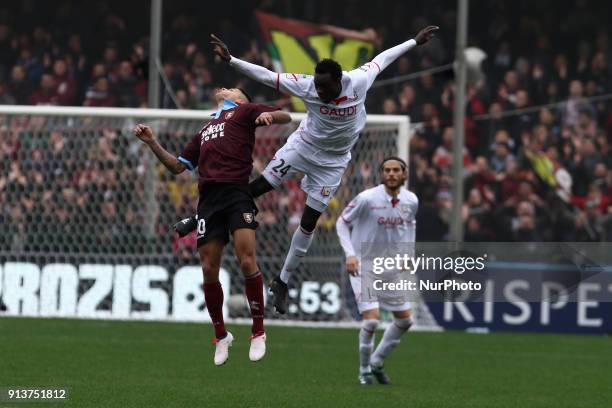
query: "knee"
248, 264
210, 271
309, 220
370, 325
372, 314
403, 323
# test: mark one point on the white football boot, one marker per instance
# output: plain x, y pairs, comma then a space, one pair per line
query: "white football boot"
222, 349
258, 347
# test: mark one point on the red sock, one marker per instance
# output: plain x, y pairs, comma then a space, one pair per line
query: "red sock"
254, 287
213, 294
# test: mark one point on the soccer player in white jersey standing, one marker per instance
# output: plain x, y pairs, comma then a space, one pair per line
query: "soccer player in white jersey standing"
320, 147
385, 215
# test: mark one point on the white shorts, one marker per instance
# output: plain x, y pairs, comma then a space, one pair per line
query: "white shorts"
368, 304
322, 170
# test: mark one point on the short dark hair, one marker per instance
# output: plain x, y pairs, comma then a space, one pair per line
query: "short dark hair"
246, 95
329, 66
399, 159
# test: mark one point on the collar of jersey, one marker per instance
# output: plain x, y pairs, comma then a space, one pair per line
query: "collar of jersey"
227, 104
389, 196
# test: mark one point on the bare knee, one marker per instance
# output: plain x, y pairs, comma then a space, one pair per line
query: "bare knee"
210, 256
210, 270
248, 264
372, 314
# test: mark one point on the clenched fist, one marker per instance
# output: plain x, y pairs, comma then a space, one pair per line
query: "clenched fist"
144, 133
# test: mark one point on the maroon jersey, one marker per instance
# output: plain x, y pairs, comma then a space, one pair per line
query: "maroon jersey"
223, 149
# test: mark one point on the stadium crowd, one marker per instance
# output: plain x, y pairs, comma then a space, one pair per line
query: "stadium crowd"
538, 128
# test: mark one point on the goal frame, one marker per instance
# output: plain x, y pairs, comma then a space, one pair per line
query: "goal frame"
402, 121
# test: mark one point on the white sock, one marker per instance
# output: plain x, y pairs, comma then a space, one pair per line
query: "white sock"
366, 344
390, 340
299, 246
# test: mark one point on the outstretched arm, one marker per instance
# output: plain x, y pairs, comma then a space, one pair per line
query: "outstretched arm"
255, 72
145, 134
290, 83
385, 58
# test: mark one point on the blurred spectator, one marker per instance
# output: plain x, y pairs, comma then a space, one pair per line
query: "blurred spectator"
125, 86
390, 106
46, 94
6, 98
18, 86
501, 156
575, 104
524, 223
99, 95
66, 85
407, 99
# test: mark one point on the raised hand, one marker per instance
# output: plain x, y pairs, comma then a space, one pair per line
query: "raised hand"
426, 34
220, 48
144, 133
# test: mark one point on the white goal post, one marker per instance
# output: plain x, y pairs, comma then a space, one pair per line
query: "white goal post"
86, 213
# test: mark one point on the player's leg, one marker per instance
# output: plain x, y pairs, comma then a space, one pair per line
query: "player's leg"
370, 319
210, 256
285, 163
242, 224
320, 183
300, 242
212, 236
244, 245
402, 321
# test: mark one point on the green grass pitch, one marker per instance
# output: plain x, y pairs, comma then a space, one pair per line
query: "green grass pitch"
141, 364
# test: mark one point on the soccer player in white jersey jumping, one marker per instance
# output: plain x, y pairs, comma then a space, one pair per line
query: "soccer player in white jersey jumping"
320, 147
384, 215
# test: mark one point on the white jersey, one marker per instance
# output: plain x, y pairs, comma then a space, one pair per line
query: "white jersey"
379, 219
333, 127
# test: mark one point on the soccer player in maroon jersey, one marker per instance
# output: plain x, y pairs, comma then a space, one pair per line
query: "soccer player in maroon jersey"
222, 151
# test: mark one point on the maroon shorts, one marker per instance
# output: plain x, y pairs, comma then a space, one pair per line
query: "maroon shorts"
222, 209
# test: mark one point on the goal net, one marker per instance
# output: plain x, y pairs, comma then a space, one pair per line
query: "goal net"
86, 213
